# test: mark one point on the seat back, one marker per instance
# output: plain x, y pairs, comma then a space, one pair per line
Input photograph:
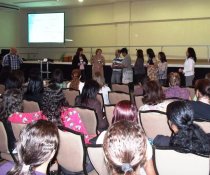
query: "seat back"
71, 153
2, 88
17, 128
70, 95
115, 97
205, 125
89, 119
30, 106
138, 90
96, 155
121, 88
154, 123
109, 109
138, 101
100, 98
4, 150
180, 163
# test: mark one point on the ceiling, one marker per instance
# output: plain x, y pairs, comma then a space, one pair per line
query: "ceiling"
52, 3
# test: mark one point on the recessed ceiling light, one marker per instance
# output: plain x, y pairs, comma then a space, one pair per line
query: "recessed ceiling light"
80, 0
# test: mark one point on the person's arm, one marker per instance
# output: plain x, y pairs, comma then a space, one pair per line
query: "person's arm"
20, 59
5, 61
85, 59
103, 60
149, 167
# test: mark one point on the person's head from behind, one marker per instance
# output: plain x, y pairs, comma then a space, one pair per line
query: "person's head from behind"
125, 148
52, 102
57, 76
125, 110
79, 51
37, 145
19, 75
162, 57
99, 79
75, 74
12, 82
174, 79
150, 53
124, 51
202, 89
139, 53
117, 53
153, 93
12, 102
90, 90
35, 83
180, 115
190, 53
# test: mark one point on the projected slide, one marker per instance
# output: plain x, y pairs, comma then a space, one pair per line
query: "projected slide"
46, 28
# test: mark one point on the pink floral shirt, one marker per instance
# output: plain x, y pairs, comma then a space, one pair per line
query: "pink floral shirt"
69, 117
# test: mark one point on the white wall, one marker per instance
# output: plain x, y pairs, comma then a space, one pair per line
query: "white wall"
139, 23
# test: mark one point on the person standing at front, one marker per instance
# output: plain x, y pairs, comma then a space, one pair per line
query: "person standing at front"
12, 60
127, 72
189, 67
98, 61
117, 68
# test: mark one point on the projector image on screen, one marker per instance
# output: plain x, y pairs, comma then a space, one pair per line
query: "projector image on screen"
46, 28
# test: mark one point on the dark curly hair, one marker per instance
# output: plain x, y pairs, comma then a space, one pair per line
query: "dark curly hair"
52, 102
189, 136
153, 93
12, 102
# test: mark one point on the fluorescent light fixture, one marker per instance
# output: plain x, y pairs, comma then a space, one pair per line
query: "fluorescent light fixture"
80, 0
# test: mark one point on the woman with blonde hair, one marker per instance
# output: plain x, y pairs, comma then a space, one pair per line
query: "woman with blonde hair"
75, 82
125, 148
175, 90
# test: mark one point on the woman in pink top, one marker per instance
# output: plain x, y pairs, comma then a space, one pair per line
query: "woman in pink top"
55, 108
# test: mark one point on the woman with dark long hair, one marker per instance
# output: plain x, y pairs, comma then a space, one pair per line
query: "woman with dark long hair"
162, 68
88, 99
185, 134
79, 62
152, 67
189, 66
139, 70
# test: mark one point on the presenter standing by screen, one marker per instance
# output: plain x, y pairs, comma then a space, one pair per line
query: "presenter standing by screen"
12, 60
79, 62
98, 61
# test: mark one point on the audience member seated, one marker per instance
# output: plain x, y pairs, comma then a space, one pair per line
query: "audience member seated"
201, 107
154, 98
55, 108
88, 99
36, 147
57, 78
13, 82
11, 103
104, 89
125, 148
175, 90
125, 110
35, 88
75, 83
185, 134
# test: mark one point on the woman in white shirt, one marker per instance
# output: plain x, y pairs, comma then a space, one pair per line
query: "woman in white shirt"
104, 89
189, 66
75, 83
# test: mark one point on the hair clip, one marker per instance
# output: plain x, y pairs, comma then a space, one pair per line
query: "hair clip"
25, 167
126, 167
